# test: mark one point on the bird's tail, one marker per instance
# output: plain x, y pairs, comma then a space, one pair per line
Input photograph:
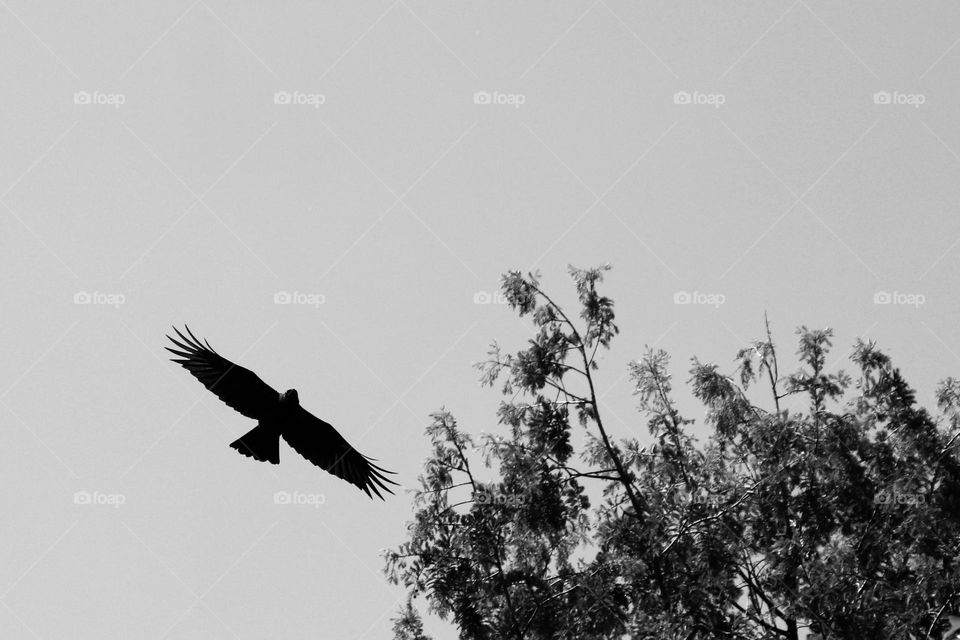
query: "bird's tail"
260, 443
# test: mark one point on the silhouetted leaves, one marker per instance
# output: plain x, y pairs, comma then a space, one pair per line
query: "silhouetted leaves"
839, 512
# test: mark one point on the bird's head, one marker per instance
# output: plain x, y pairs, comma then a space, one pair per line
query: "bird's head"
289, 398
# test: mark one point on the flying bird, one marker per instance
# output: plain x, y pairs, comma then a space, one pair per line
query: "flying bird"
277, 415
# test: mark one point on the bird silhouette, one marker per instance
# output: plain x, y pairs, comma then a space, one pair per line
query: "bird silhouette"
277, 415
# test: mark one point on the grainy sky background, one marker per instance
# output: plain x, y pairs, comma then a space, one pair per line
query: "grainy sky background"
187, 161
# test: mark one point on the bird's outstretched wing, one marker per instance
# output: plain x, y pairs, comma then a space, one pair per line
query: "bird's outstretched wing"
239, 388
319, 442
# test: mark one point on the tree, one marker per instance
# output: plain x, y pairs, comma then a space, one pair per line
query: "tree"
842, 518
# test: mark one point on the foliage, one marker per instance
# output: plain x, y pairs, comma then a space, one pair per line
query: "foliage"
841, 516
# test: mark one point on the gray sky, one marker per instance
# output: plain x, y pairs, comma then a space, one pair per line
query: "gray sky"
383, 163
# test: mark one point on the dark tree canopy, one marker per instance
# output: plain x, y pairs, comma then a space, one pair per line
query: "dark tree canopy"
840, 520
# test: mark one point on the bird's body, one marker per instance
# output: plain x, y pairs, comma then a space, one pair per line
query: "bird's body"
278, 415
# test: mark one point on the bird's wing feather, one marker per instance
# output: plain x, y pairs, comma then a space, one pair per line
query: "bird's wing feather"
319, 442
238, 387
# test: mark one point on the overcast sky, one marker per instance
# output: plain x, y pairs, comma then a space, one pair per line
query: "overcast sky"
378, 166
